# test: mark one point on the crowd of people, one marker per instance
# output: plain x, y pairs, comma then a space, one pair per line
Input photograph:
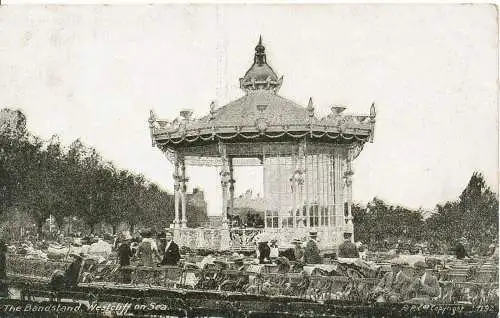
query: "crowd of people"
415, 282
147, 252
144, 249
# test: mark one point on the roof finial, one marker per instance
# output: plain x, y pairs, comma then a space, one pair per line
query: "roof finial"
260, 53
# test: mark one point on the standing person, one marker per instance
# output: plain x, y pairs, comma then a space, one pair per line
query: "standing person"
162, 243
73, 271
264, 252
311, 252
148, 237
348, 249
124, 254
171, 254
273, 249
145, 250
4, 287
298, 250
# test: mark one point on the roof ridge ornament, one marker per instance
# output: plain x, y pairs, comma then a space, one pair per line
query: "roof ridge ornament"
310, 107
373, 114
212, 110
153, 123
338, 109
186, 114
152, 118
372, 111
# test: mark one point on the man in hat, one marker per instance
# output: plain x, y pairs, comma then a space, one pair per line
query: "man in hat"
171, 254
348, 249
73, 271
424, 285
124, 255
240, 282
393, 286
311, 252
298, 250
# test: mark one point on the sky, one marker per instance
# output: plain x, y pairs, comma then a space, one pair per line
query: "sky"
94, 72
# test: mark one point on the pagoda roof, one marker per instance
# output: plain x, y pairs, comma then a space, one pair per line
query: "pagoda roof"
244, 111
261, 112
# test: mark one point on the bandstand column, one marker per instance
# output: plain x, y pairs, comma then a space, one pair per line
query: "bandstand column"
294, 186
348, 182
177, 195
309, 189
183, 190
225, 177
231, 186
339, 192
302, 175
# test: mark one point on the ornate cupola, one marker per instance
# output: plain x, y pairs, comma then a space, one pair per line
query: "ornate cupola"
260, 76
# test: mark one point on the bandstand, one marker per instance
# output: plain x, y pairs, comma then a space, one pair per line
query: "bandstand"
307, 161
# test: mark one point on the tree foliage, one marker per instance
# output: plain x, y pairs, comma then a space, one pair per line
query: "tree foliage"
474, 215
41, 178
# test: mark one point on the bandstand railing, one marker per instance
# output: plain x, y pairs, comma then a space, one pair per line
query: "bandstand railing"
245, 239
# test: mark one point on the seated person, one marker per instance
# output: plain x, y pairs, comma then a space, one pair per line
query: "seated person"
240, 282
295, 253
424, 285
393, 286
311, 251
460, 251
348, 249
264, 252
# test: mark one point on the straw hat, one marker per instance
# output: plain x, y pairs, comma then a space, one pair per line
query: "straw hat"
127, 236
236, 258
147, 233
398, 262
419, 265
